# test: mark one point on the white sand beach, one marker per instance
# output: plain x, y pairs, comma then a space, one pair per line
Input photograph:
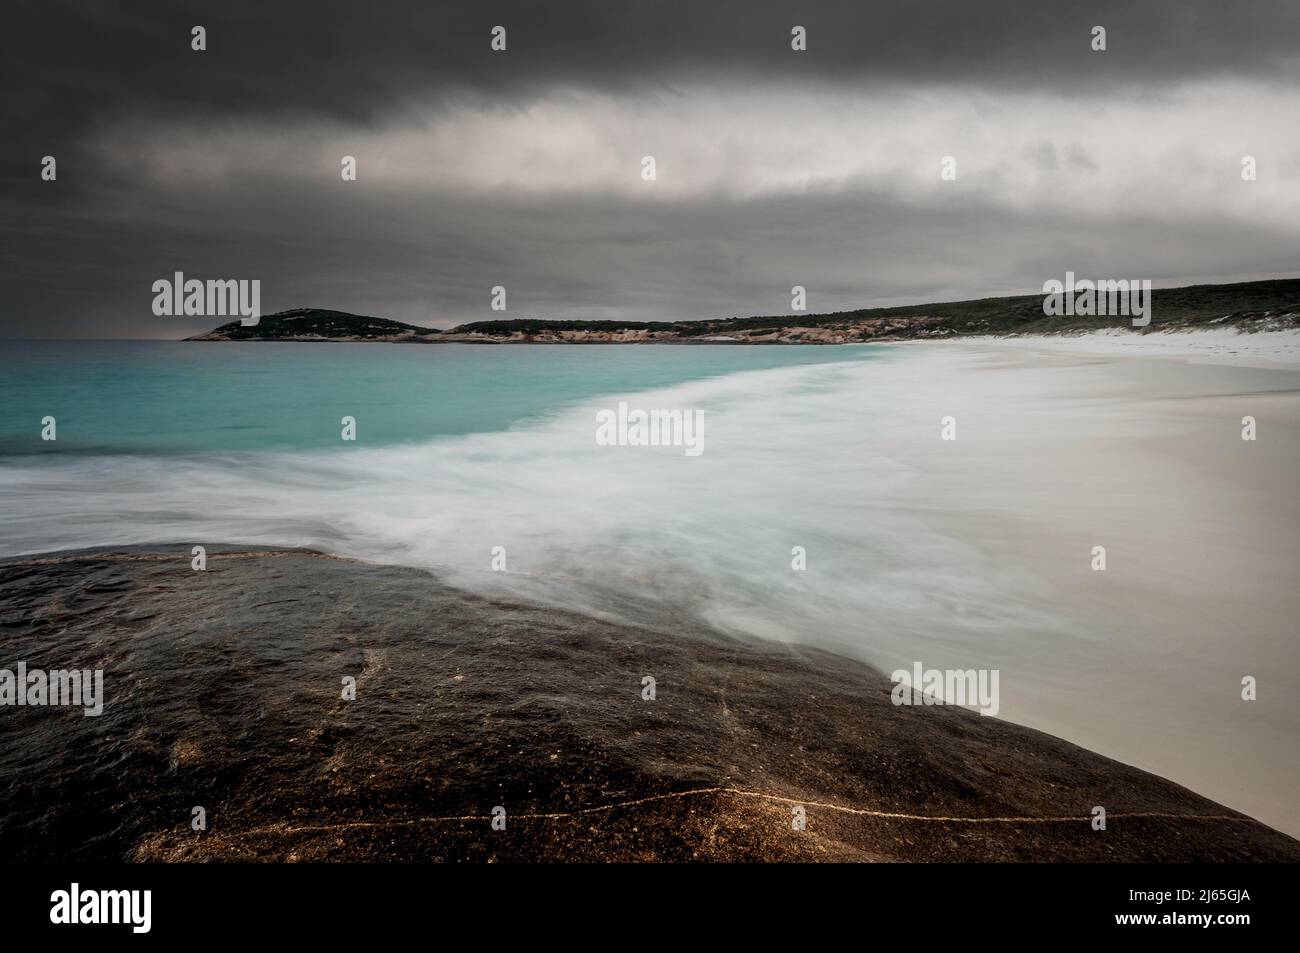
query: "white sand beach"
1134, 442
1225, 346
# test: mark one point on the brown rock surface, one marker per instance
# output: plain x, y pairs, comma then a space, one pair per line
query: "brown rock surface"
222, 689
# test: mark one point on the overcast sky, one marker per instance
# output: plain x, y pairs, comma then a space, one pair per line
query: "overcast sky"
523, 168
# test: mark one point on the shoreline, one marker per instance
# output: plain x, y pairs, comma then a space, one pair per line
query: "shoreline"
1071, 443
222, 690
1263, 350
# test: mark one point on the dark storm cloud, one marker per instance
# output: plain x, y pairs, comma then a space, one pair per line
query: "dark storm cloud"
75, 256
68, 64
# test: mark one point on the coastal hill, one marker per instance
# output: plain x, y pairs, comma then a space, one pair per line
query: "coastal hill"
315, 324
1250, 306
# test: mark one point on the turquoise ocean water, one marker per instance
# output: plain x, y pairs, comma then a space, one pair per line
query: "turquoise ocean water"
192, 397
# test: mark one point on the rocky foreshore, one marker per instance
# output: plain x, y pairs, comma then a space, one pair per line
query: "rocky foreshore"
225, 689
848, 333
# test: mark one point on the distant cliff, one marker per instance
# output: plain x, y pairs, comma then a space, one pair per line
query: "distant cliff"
1250, 306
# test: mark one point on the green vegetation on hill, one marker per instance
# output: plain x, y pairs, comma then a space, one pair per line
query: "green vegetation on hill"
313, 322
1021, 314
1252, 305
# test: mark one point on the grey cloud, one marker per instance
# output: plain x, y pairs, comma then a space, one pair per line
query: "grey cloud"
1078, 158
70, 64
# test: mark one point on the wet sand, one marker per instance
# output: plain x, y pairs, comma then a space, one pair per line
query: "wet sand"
1131, 442
222, 689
